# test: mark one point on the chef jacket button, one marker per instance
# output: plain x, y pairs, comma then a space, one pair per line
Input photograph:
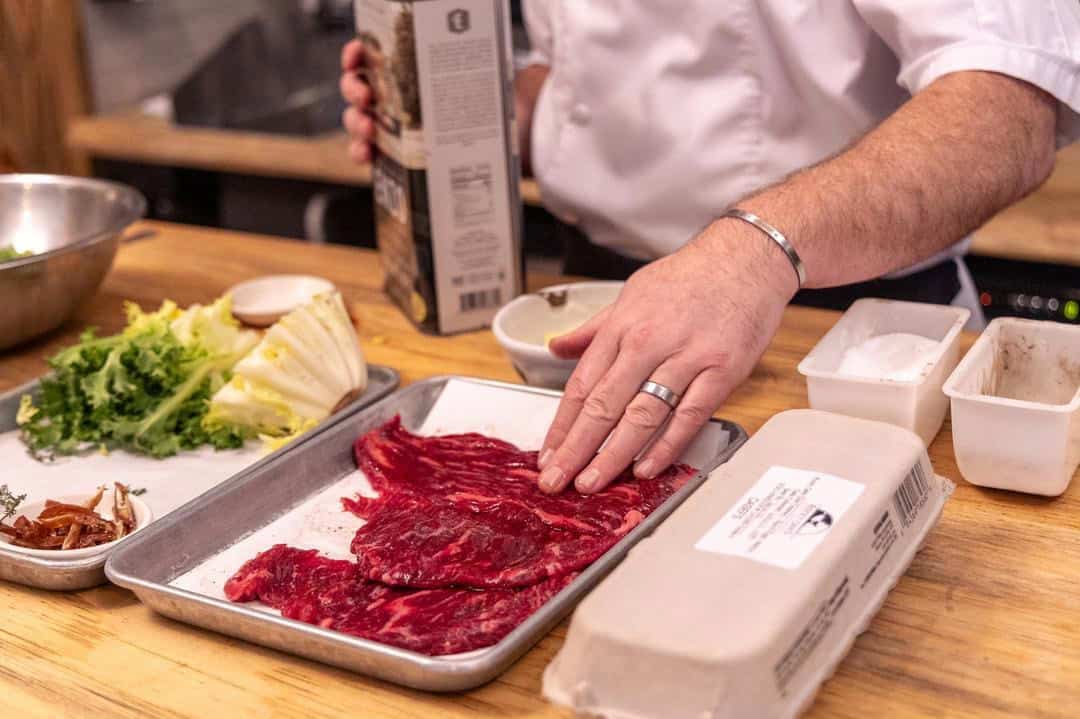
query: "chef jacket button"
580, 114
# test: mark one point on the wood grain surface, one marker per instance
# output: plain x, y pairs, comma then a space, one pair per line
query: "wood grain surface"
136, 137
42, 85
1043, 228
986, 623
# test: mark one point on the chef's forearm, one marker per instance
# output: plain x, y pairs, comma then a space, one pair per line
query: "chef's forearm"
527, 85
968, 146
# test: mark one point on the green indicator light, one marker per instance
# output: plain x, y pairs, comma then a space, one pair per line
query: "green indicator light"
1072, 310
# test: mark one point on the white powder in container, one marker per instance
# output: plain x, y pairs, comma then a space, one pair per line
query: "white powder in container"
897, 356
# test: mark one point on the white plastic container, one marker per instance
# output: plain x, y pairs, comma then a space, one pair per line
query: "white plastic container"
918, 405
1016, 407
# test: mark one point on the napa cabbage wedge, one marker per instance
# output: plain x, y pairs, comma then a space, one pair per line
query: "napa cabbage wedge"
308, 364
146, 389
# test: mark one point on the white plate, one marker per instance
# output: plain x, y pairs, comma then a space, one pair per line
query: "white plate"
263, 301
143, 517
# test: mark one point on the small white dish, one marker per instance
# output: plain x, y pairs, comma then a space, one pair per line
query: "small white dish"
31, 510
917, 404
264, 300
1016, 407
524, 326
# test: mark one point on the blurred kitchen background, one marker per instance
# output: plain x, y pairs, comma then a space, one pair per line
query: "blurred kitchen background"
226, 113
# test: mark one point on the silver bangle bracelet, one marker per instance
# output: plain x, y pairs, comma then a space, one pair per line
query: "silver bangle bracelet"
776, 236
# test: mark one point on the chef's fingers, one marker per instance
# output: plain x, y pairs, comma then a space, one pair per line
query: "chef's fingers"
355, 91
704, 395
360, 152
589, 371
358, 125
602, 407
574, 343
644, 416
352, 55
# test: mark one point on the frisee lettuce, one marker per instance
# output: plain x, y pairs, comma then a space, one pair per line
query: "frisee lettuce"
146, 389
10, 253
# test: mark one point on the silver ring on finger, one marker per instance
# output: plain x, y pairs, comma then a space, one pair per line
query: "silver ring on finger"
662, 392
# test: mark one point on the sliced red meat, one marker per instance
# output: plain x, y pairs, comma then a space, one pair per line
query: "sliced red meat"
459, 547
465, 510
395, 460
472, 466
282, 573
307, 587
416, 542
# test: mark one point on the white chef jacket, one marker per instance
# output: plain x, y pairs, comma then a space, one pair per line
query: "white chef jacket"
659, 115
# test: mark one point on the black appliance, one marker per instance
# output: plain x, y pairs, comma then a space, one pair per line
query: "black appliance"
1011, 288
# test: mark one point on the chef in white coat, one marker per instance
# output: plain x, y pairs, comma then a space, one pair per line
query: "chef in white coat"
743, 151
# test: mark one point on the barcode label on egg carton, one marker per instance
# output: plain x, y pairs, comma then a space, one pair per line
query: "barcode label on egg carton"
911, 495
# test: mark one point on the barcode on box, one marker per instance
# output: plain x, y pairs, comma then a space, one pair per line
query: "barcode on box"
912, 494
480, 300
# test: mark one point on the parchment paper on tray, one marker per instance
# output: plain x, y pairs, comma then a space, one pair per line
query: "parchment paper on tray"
169, 482
521, 418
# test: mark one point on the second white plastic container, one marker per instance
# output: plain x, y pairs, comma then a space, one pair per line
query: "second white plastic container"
1016, 407
918, 405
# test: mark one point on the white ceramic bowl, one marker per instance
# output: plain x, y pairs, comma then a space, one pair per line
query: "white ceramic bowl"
263, 301
919, 404
31, 510
524, 326
1016, 407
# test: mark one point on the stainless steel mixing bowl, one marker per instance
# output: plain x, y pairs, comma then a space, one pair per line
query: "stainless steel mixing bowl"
73, 226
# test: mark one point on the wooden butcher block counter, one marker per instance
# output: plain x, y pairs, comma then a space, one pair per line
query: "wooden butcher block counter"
986, 623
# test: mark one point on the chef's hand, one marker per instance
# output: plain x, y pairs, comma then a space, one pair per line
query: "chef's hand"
696, 321
357, 93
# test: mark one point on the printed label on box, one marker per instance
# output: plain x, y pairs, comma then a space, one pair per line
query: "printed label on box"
446, 174
783, 518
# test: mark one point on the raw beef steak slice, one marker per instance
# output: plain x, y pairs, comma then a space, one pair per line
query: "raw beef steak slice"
462, 543
329, 593
281, 574
465, 510
475, 467
416, 542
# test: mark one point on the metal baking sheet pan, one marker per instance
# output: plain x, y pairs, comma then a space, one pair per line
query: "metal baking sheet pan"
169, 483
175, 566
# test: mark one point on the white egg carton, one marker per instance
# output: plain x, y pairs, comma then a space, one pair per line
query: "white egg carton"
918, 404
747, 598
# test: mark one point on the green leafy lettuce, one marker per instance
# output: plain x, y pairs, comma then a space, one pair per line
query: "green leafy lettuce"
10, 253
146, 389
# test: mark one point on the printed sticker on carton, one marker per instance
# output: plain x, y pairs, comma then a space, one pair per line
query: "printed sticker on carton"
783, 518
